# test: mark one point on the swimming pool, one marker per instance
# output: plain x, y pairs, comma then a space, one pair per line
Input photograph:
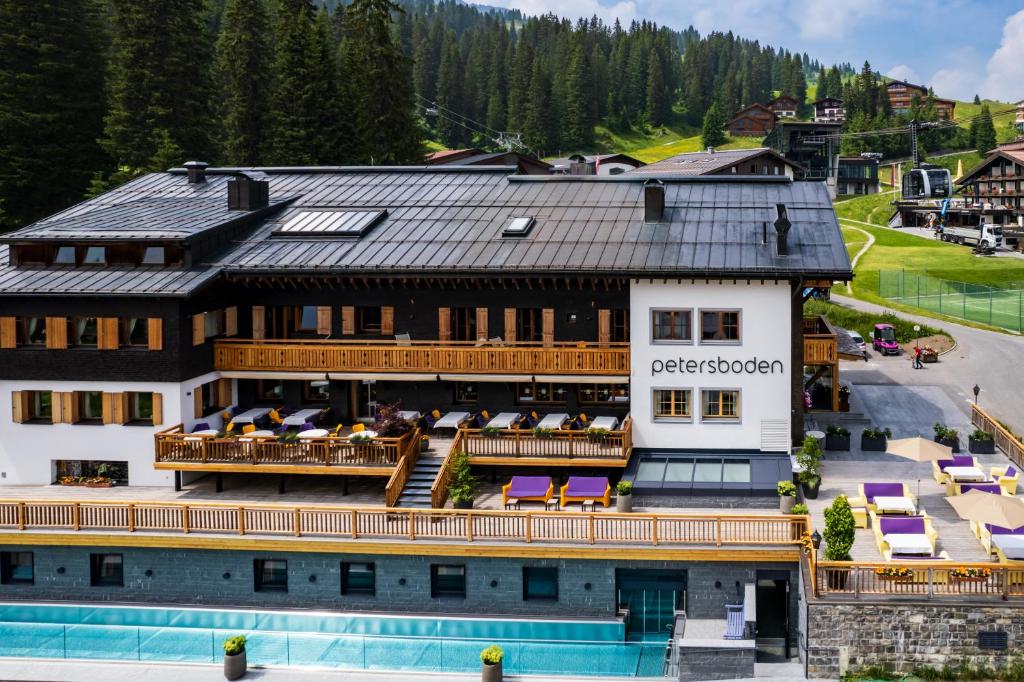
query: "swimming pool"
348, 641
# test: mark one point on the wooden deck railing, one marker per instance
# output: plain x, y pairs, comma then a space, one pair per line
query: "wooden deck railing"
571, 444
820, 344
422, 356
406, 463
574, 528
1004, 440
443, 480
928, 579
175, 446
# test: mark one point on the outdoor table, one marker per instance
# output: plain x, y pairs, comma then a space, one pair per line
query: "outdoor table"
257, 434
609, 423
452, 420
959, 474
1012, 545
895, 505
199, 435
552, 421
909, 543
410, 415
504, 420
313, 433
250, 416
301, 417
363, 434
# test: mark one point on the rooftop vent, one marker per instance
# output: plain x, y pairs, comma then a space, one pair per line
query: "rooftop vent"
196, 171
654, 201
518, 226
248, 192
348, 224
782, 226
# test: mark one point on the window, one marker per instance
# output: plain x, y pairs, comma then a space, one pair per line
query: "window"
465, 392
540, 583
463, 324
368, 320
65, 255
447, 580
106, 570
90, 406
270, 575
721, 404
40, 406
34, 331
620, 325
153, 255
518, 226
140, 407
136, 331
533, 394
719, 326
671, 404
83, 332
211, 396
79, 468
16, 568
214, 323
95, 255
317, 391
602, 394
305, 318
671, 326
358, 578
267, 391
529, 325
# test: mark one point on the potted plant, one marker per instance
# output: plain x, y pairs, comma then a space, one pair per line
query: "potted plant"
424, 443
787, 496
981, 443
234, 657
844, 398
837, 438
490, 432
492, 657
838, 536
597, 435
462, 488
543, 433
875, 440
360, 438
624, 497
809, 460
800, 509
947, 436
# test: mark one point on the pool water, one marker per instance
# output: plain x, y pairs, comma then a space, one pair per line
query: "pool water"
355, 642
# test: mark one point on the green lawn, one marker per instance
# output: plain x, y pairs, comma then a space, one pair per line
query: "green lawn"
970, 159
854, 240
871, 208
689, 144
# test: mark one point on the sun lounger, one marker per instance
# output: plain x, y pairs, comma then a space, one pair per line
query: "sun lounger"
869, 491
909, 535
532, 488
580, 488
987, 533
939, 467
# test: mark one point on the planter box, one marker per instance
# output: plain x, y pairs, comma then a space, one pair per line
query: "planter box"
786, 503
950, 442
896, 578
811, 491
970, 579
463, 505
873, 444
981, 447
837, 442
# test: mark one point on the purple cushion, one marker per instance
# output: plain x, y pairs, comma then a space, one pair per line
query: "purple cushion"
1010, 472
913, 525
905, 557
586, 486
873, 490
529, 486
957, 461
999, 530
200, 426
983, 487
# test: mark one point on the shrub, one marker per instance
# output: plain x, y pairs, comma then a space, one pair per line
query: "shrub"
389, 424
463, 485
543, 433
624, 488
490, 431
978, 434
809, 459
836, 430
839, 530
234, 645
801, 509
878, 433
492, 655
596, 433
943, 432
786, 489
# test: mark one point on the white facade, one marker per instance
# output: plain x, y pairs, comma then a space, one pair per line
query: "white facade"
759, 365
29, 451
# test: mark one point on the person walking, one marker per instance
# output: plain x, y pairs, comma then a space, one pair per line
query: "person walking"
917, 358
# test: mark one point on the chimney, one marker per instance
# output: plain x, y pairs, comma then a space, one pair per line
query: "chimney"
782, 226
581, 168
654, 201
196, 172
248, 192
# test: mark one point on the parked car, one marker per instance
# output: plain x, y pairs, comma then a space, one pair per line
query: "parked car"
859, 340
883, 339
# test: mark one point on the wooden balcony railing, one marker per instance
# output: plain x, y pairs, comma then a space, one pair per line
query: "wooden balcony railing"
927, 579
523, 443
1003, 438
443, 480
430, 357
406, 463
175, 447
571, 528
820, 345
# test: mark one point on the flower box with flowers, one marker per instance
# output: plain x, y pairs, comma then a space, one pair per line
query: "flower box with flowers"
970, 575
898, 574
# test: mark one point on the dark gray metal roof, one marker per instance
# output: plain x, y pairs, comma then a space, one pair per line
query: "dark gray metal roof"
707, 162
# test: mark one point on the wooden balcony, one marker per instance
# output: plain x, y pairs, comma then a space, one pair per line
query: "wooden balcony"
428, 357
932, 580
521, 447
820, 344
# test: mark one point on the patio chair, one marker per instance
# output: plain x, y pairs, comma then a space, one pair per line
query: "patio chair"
939, 467
336, 431
431, 418
529, 488
532, 419
248, 428
1006, 477
580, 488
953, 488
482, 419
357, 427
403, 337
580, 422
905, 525
200, 426
869, 491
230, 427
275, 417
497, 341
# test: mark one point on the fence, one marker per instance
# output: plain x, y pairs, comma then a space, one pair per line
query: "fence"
962, 300
926, 579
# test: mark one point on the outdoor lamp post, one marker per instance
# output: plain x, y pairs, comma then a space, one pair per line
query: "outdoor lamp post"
816, 539
977, 390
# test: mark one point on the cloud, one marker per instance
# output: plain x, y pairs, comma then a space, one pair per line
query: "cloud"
902, 72
819, 20
1004, 74
955, 83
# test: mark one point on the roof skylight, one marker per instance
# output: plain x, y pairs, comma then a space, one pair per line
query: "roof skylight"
350, 224
518, 226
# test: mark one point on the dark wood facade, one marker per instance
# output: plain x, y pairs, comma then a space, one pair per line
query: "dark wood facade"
785, 106
755, 120
902, 96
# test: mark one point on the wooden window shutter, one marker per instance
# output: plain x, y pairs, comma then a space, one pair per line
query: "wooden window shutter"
323, 320
158, 409
122, 408
198, 329
510, 325
231, 321
57, 333
109, 407
107, 333
387, 320
224, 392
197, 402
259, 322
156, 333
19, 403
57, 406
481, 323
8, 332
604, 326
348, 319
72, 411
444, 324
548, 326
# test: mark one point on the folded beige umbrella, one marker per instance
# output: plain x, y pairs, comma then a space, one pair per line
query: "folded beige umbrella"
919, 449
998, 510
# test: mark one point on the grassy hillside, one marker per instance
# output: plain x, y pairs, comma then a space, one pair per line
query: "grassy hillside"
689, 144
871, 208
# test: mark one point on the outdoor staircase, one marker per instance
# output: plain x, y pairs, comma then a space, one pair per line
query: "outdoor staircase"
416, 492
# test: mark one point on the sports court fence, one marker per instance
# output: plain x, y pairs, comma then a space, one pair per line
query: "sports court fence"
977, 303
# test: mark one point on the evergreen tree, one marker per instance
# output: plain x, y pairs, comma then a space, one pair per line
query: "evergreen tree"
334, 132
449, 95
579, 107
159, 64
985, 137
711, 134
540, 129
977, 100
243, 87
659, 107
51, 106
294, 101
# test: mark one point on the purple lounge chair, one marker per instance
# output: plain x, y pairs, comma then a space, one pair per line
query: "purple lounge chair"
873, 490
999, 530
911, 525
993, 488
580, 488
957, 461
536, 488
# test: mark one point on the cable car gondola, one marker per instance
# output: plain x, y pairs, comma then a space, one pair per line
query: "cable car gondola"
927, 182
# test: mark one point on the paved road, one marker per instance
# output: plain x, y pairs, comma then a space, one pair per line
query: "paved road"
993, 361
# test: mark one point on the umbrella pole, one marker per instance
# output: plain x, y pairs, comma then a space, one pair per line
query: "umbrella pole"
919, 496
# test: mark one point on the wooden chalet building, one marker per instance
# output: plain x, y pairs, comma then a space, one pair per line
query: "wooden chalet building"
857, 175
596, 164
902, 95
829, 110
525, 164
1018, 121
785, 106
755, 120
997, 184
813, 147
757, 161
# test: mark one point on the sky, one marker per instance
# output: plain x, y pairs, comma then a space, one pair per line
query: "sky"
959, 47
